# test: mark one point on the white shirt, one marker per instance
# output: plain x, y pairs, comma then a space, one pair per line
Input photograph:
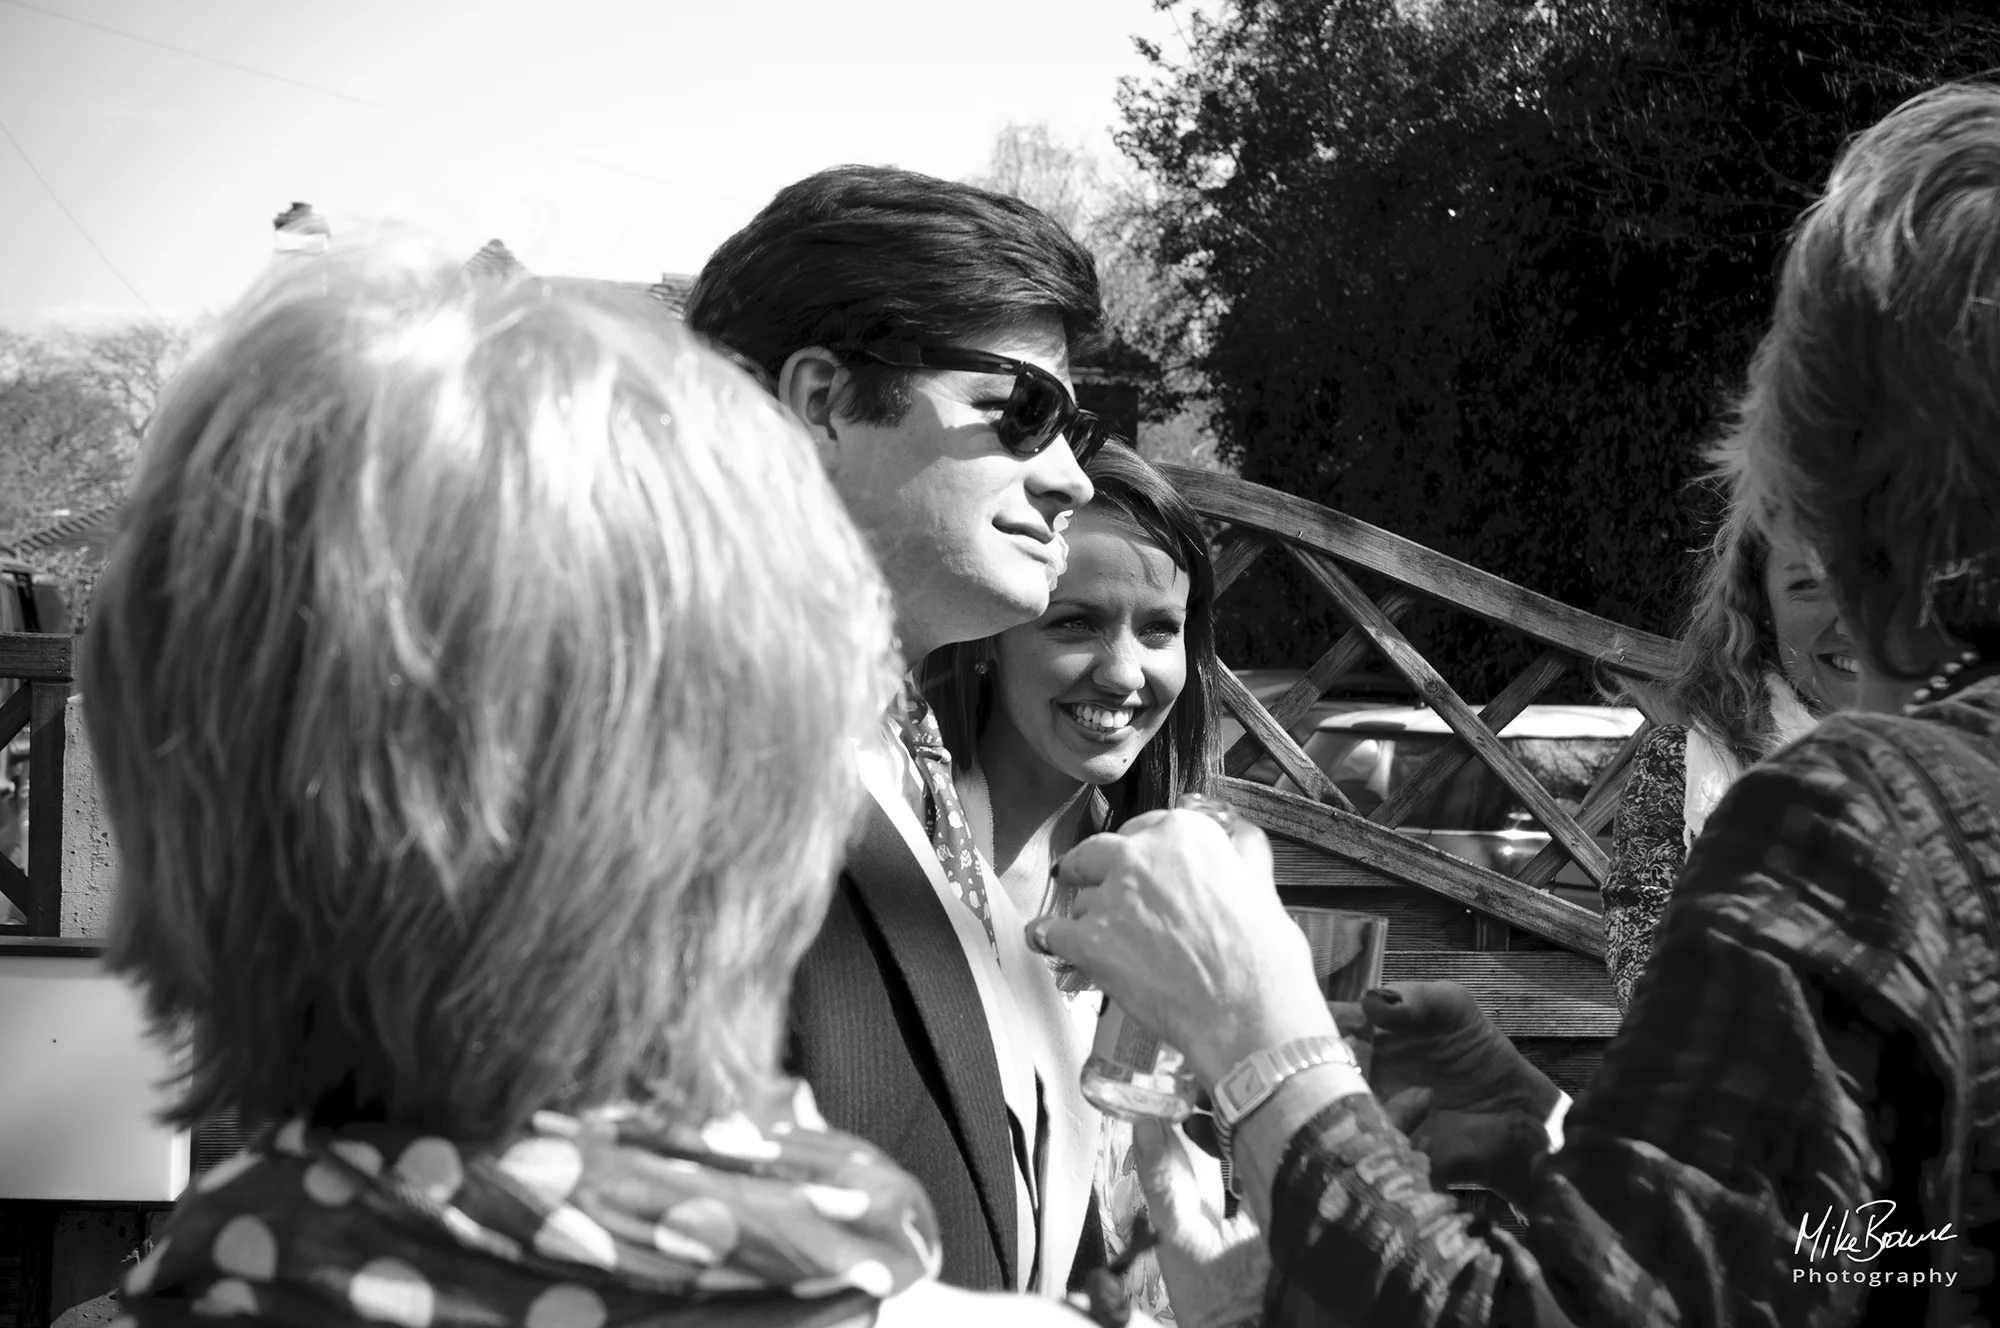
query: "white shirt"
1034, 1053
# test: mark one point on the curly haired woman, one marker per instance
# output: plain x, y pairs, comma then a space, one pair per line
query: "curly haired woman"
1764, 656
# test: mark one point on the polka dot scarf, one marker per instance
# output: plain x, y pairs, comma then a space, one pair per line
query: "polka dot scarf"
620, 1217
933, 796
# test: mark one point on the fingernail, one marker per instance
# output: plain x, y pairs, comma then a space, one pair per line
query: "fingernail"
1033, 932
1384, 995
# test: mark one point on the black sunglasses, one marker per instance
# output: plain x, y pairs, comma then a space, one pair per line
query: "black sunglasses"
1039, 408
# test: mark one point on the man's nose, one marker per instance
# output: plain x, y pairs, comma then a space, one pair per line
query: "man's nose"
1056, 481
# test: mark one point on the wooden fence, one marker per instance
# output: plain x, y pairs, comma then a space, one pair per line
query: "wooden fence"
1534, 961
43, 665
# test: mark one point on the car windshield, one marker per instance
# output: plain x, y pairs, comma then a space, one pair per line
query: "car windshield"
1369, 767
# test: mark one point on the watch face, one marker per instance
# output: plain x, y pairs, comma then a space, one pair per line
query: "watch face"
1241, 1090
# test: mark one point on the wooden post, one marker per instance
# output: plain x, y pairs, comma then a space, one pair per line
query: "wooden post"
46, 741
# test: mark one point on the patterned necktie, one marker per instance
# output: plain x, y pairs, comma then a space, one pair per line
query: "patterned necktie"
934, 798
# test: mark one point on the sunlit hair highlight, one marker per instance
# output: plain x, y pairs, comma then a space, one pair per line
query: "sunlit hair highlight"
473, 684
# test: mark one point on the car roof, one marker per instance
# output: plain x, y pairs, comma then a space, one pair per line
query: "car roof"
1536, 721
1267, 685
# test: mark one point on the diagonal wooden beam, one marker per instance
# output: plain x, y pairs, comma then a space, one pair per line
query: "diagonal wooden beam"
1290, 757
14, 714
1352, 647
1410, 862
1435, 692
1304, 524
1239, 553
14, 884
1498, 714
1599, 806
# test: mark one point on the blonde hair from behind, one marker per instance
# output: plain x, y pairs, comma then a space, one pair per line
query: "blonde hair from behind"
474, 684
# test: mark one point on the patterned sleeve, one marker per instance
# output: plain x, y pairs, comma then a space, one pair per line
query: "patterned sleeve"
1746, 1094
1648, 848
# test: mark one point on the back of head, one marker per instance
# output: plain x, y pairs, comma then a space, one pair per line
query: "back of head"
1872, 419
858, 255
461, 646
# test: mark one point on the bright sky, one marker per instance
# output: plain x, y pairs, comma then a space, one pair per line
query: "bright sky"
607, 138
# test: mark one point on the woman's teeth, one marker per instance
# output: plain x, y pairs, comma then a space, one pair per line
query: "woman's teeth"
1099, 718
1844, 663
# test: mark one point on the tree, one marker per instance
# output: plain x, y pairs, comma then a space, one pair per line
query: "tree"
73, 408
1111, 212
1486, 273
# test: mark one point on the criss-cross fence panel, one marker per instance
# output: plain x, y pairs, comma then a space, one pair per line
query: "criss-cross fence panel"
42, 664
1450, 918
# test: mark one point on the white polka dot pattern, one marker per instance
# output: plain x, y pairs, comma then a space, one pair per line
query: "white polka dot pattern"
550, 1167
566, 1306
409, 1230
246, 1248
872, 1276
708, 1221
568, 1234
391, 1291
227, 1299
836, 1202
806, 1107
363, 1157
432, 1166
328, 1184
225, 1171
738, 1136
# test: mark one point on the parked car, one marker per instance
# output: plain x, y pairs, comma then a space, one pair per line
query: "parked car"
1352, 692
1474, 815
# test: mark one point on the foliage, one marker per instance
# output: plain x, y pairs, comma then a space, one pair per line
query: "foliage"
1485, 272
1111, 213
73, 407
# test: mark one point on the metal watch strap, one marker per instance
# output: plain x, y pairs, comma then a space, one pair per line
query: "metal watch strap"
1257, 1076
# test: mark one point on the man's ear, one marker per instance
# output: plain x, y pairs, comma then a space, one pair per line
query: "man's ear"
807, 385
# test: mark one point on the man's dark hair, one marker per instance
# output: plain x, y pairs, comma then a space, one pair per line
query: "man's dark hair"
859, 255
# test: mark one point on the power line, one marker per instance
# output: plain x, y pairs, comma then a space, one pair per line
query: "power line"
96, 248
472, 130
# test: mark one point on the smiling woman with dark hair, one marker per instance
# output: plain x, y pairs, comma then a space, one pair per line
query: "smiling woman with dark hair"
1101, 709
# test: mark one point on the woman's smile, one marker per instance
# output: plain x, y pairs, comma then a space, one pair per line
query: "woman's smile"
1079, 692
1102, 722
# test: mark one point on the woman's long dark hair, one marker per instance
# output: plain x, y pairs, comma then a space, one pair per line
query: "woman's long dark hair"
1184, 756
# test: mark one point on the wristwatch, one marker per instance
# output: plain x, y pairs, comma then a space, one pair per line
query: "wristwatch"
1258, 1075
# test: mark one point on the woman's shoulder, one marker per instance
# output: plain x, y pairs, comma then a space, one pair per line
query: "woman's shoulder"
1661, 757
1655, 788
1858, 757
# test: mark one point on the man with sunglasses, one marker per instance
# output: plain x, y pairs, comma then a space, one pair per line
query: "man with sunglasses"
922, 331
